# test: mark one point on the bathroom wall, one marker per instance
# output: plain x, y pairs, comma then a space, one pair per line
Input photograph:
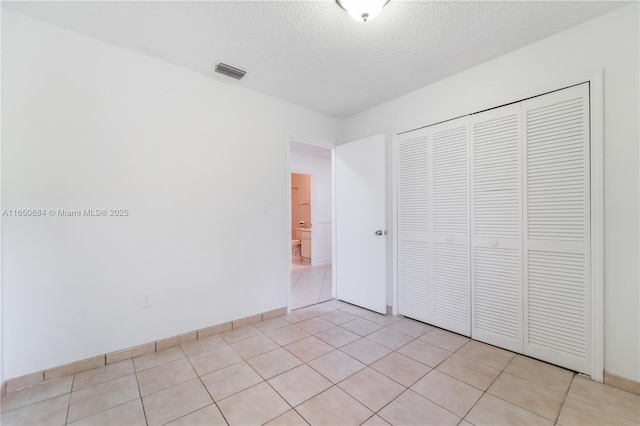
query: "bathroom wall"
300, 193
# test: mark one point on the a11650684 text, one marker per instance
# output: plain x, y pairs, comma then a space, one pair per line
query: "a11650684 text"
65, 213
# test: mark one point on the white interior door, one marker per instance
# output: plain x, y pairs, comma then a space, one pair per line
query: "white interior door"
361, 223
414, 272
449, 183
496, 227
557, 223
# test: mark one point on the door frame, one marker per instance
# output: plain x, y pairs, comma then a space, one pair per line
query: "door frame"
595, 78
291, 137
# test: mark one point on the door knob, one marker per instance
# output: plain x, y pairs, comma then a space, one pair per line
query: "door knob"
493, 243
379, 232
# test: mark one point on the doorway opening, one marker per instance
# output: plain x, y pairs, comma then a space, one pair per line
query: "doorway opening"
301, 219
311, 224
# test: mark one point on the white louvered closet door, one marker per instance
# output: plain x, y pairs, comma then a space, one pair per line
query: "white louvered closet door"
496, 227
413, 226
557, 228
449, 189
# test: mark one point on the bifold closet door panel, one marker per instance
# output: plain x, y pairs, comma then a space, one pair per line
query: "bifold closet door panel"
413, 225
557, 228
496, 227
449, 189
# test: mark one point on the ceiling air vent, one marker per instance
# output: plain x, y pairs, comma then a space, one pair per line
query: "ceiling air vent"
230, 71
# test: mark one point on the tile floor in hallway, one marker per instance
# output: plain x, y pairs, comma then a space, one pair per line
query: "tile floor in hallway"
328, 364
309, 284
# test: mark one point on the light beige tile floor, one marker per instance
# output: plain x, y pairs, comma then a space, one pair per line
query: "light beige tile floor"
309, 284
327, 364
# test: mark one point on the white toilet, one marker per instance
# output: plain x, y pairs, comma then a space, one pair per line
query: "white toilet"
296, 244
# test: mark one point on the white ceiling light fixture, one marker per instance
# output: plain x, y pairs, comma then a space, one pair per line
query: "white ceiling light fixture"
362, 10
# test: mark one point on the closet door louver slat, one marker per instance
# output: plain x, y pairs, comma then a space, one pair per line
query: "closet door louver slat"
557, 228
496, 227
449, 155
413, 227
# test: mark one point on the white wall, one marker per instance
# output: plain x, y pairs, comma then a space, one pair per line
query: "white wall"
2, 376
321, 203
609, 42
90, 125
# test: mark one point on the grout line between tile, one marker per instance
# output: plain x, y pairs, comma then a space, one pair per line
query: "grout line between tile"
432, 369
566, 395
509, 402
205, 388
144, 411
66, 418
409, 387
303, 278
318, 314
377, 413
163, 389
291, 407
484, 391
33, 403
263, 381
107, 409
302, 417
374, 412
371, 416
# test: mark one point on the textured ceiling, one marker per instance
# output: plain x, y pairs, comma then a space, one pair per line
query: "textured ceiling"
311, 52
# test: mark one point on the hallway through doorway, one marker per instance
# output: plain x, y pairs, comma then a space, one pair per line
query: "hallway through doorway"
309, 284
